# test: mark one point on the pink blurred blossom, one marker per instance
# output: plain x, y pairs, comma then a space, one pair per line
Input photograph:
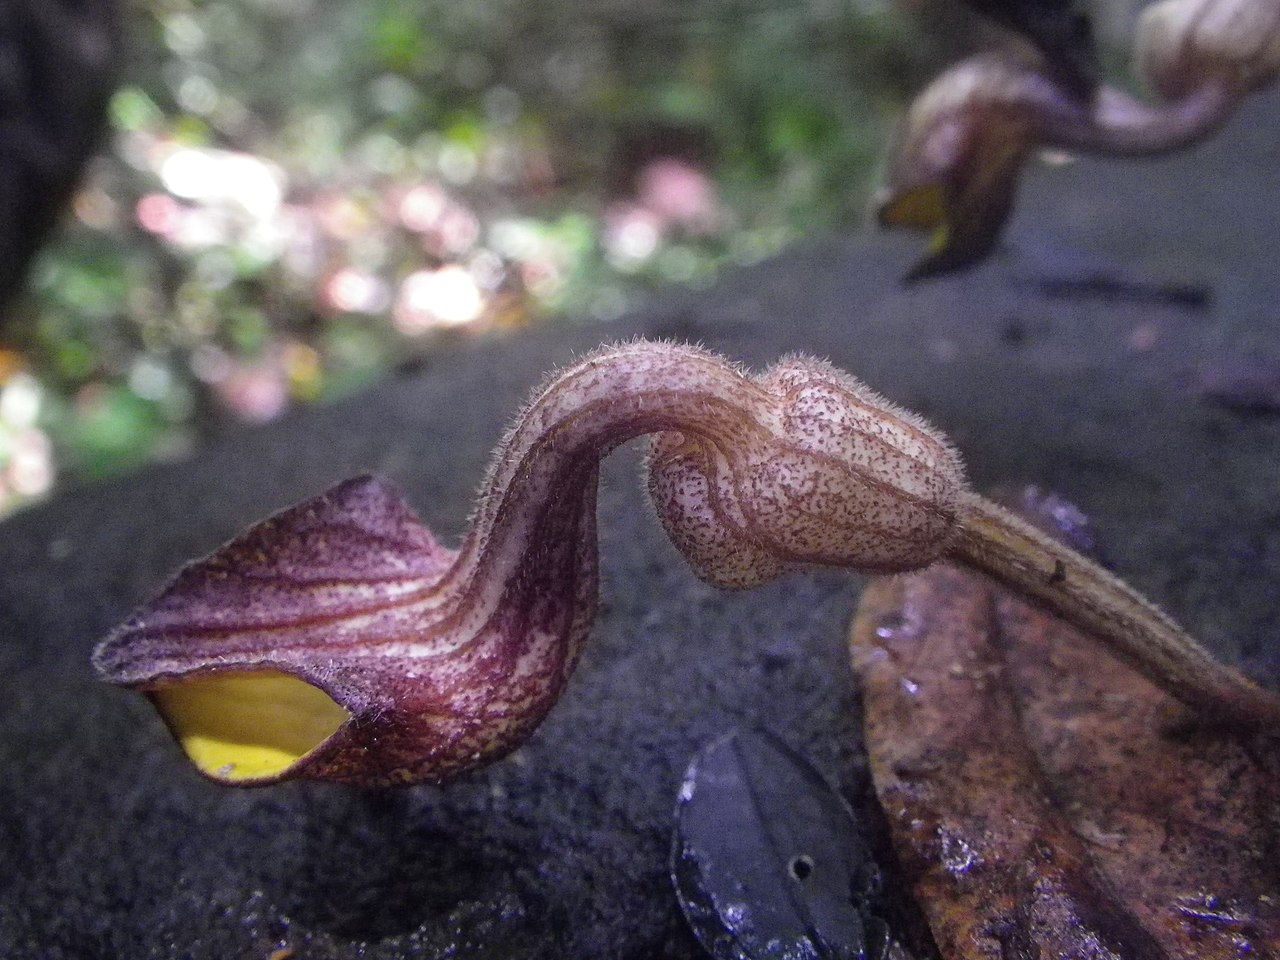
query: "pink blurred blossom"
31, 470
680, 194
542, 277
256, 393
422, 206
446, 297
632, 233
355, 291
159, 213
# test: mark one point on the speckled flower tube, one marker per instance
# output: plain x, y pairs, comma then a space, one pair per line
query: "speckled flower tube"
339, 640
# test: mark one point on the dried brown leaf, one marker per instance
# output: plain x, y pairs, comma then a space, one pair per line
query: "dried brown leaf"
1045, 800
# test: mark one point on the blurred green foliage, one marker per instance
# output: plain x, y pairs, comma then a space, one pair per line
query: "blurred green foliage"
298, 194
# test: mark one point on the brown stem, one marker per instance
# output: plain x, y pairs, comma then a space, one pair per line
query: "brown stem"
1036, 566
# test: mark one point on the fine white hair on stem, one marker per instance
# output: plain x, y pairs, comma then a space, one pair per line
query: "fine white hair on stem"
406, 661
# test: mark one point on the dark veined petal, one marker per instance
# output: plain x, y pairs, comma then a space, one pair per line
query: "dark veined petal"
253, 654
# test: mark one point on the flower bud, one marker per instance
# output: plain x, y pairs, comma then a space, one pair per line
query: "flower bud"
956, 165
841, 478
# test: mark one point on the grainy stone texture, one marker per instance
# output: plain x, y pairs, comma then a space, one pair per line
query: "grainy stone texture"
113, 847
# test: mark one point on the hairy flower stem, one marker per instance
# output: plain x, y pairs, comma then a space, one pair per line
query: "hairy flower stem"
340, 641
993, 541
595, 406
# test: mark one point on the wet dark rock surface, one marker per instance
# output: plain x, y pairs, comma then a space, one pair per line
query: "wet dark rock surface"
114, 847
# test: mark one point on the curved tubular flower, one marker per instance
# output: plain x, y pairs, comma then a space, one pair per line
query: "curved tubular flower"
955, 168
339, 640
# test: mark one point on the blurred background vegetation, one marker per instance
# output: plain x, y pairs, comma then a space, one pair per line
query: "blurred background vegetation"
297, 197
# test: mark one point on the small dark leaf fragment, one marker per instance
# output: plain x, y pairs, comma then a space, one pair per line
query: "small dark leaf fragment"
767, 861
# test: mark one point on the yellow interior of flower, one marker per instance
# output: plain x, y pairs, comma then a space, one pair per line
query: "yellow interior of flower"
251, 725
921, 208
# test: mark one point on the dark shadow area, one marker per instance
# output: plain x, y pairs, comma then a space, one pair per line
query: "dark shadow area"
59, 61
